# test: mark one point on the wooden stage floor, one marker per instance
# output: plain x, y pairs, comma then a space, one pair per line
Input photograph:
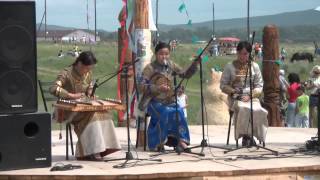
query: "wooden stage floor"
241, 164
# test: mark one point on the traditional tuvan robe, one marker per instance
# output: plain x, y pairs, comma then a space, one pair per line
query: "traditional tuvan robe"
95, 130
233, 80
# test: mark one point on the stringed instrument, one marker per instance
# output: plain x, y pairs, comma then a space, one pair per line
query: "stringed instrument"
89, 105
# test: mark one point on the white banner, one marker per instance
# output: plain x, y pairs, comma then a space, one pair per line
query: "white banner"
143, 50
130, 24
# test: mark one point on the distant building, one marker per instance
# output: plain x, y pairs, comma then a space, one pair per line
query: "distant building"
72, 36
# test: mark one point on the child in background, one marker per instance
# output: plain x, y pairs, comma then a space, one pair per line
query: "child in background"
302, 108
182, 100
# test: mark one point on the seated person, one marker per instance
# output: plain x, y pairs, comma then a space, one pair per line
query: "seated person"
60, 54
313, 85
235, 83
158, 101
95, 130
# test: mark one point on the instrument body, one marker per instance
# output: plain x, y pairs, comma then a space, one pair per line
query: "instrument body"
64, 107
158, 79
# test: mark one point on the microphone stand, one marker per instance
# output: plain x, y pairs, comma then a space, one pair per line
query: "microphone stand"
128, 153
314, 143
252, 143
204, 142
178, 148
125, 68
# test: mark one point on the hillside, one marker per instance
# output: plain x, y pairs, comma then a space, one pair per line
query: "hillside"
297, 18
53, 27
299, 26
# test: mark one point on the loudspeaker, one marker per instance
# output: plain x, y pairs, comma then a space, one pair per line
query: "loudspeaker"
25, 141
18, 76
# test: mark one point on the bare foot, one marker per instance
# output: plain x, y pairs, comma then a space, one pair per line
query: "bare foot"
183, 145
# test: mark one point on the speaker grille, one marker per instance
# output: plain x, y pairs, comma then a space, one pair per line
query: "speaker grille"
25, 141
16, 89
16, 45
18, 58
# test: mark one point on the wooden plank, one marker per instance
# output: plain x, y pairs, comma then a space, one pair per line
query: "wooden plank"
282, 176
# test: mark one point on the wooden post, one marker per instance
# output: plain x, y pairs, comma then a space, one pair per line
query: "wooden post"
141, 18
123, 50
144, 52
270, 73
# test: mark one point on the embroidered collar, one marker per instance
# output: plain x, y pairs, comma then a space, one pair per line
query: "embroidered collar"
241, 68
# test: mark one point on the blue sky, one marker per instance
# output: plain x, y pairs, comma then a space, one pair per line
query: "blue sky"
72, 13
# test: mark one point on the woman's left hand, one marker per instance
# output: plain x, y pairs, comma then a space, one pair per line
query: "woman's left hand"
245, 98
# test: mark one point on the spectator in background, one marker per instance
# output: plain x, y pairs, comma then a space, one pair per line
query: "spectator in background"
283, 54
60, 53
292, 95
173, 45
302, 108
256, 48
313, 85
283, 91
183, 100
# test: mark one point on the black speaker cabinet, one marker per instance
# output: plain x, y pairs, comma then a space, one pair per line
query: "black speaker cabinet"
18, 87
25, 141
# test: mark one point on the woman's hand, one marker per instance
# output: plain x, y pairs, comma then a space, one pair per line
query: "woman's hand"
164, 88
245, 98
94, 97
76, 95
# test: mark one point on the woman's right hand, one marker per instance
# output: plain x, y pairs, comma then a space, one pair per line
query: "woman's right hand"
245, 98
164, 88
76, 95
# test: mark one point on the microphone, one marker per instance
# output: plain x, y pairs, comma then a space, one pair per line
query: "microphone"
165, 62
94, 88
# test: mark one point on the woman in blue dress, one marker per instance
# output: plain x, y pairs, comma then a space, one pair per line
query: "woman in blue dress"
167, 126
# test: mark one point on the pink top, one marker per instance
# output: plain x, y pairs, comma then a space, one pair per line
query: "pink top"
292, 91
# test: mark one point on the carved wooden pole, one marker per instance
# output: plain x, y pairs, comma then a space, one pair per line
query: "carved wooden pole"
141, 18
271, 87
124, 58
143, 50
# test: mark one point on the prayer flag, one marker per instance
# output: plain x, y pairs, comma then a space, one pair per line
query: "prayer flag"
182, 7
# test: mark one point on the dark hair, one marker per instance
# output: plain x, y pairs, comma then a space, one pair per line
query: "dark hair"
86, 58
293, 78
244, 44
161, 45
301, 88
181, 88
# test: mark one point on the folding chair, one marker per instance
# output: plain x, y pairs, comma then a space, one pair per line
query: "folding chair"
47, 97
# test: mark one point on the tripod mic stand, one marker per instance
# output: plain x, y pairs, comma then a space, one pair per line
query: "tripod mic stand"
314, 143
204, 142
252, 143
128, 153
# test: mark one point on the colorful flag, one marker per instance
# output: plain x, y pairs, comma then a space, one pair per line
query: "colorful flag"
182, 7
194, 39
122, 19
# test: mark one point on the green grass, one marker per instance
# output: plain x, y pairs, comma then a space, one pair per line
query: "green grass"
107, 54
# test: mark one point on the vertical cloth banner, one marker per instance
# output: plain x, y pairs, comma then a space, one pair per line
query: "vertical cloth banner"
123, 44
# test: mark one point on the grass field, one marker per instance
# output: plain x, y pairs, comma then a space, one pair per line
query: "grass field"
49, 64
